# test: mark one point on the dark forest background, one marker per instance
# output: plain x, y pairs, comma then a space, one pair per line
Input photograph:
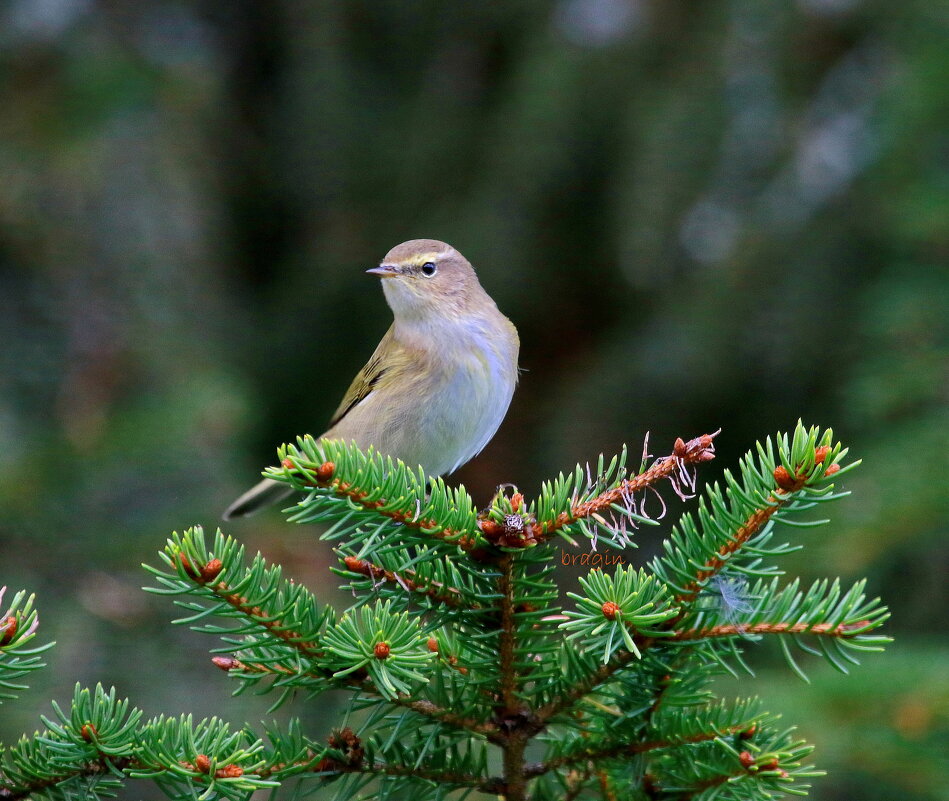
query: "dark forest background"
699, 215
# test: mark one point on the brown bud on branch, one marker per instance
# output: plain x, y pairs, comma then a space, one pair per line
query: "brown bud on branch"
609, 610
211, 570
8, 628
324, 473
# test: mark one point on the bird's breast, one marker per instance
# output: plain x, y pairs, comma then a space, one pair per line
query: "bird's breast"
477, 371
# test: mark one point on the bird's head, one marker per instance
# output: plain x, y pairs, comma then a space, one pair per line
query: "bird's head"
425, 277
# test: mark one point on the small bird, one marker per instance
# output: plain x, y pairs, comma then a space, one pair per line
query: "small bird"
441, 380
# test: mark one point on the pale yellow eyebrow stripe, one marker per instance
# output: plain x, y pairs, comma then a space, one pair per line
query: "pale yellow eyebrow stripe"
426, 257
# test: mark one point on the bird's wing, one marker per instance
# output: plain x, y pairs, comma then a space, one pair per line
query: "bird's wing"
366, 379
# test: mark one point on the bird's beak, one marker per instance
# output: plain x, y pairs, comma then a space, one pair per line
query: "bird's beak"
384, 271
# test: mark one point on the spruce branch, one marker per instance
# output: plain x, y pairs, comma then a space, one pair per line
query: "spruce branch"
766, 490
278, 629
18, 655
88, 751
737, 630
736, 525
280, 650
241, 669
695, 451
102, 741
456, 644
275, 626
619, 749
433, 590
451, 779
447, 716
351, 488
579, 689
768, 763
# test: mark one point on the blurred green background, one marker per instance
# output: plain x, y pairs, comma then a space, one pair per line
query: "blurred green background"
729, 213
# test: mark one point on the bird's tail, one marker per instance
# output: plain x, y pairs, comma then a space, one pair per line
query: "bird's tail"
262, 494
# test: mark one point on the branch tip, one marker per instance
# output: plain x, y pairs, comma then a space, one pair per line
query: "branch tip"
749, 763
211, 570
609, 610
8, 629
700, 449
695, 451
324, 473
204, 574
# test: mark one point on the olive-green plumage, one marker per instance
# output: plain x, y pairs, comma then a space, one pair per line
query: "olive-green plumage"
441, 380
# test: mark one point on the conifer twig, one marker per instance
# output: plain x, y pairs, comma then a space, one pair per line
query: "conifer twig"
602, 674
736, 629
457, 653
105, 765
695, 451
624, 749
229, 663
323, 478
353, 681
430, 710
785, 487
755, 522
91, 768
489, 785
274, 626
436, 591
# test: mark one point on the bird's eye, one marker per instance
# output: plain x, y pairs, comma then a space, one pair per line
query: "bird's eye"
429, 269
